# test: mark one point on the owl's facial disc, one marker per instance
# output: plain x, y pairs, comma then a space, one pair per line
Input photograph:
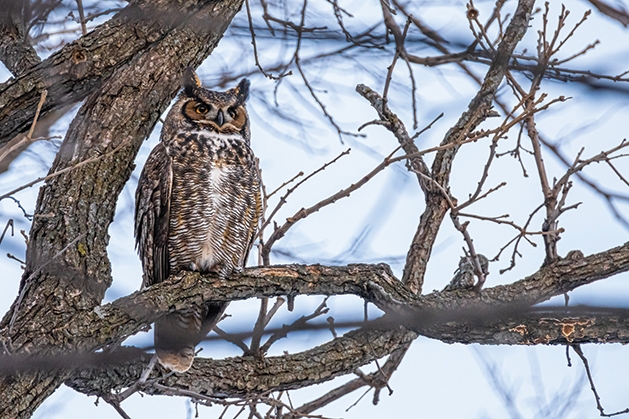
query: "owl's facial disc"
227, 119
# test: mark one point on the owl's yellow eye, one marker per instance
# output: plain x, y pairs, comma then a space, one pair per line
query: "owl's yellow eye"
232, 112
202, 109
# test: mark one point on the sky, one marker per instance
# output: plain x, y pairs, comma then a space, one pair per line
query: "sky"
376, 223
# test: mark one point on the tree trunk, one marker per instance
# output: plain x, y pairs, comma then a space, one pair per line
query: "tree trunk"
67, 267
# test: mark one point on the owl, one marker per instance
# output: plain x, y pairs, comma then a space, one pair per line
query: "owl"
464, 275
197, 206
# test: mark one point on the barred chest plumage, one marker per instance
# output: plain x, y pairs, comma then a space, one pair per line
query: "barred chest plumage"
215, 182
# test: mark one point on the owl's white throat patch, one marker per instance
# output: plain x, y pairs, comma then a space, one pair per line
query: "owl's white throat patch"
214, 135
216, 177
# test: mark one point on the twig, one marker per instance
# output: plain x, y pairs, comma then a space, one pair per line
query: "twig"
620, 176
462, 228
498, 220
579, 352
398, 51
79, 4
279, 232
116, 405
232, 339
278, 303
291, 190
383, 375
322, 106
255, 47
296, 325
258, 329
19, 205
10, 256
284, 184
149, 368
517, 240
411, 75
62, 171
26, 141
366, 391
620, 15
6, 227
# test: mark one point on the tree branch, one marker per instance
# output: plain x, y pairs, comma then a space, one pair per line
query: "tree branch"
478, 109
17, 54
105, 324
78, 68
496, 313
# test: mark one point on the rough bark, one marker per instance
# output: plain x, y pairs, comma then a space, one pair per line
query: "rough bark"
241, 376
67, 268
16, 53
497, 315
374, 283
81, 67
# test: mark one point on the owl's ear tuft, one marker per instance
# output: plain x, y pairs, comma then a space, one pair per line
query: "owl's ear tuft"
190, 81
242, 90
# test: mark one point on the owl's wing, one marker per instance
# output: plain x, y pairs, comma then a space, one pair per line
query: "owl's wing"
152, 214
253, 227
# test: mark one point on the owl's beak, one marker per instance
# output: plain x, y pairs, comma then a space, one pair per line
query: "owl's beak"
220, 118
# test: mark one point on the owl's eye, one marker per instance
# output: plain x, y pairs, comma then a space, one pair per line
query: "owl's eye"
232, 112
202, 109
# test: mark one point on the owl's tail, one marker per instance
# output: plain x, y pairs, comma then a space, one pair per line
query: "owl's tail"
177, 334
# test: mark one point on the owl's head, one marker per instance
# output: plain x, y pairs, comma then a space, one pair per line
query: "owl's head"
201, 109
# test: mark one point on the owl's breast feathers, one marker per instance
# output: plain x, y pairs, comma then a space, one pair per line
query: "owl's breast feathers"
213, 204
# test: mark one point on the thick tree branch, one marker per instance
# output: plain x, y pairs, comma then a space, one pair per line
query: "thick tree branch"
374, 283
98, 327
74, 71
17, 54
240, 376
448, 316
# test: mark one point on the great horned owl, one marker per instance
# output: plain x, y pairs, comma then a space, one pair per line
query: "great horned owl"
197, 206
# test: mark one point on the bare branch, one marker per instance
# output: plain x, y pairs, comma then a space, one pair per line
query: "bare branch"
266, 249
619, 15
599, 406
